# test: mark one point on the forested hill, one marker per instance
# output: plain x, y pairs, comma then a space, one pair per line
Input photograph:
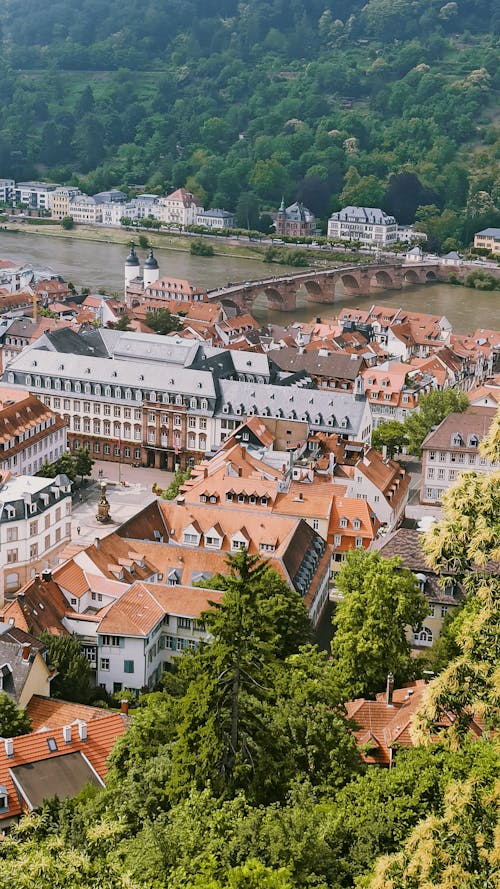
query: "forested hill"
322, 100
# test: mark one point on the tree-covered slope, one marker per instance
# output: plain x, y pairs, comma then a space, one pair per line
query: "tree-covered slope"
322, 100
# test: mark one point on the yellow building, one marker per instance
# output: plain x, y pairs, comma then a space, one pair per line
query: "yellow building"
488, 239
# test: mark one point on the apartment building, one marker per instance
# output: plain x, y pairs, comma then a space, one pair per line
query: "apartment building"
180, 208
35, 523
7, 189
453, 448
394, 390
163, 401
488, 239
35, 194
60, 200
142, 632
370, 225
295, 221
30, 432
216, 219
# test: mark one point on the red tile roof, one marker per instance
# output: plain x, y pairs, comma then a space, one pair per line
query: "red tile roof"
101, 736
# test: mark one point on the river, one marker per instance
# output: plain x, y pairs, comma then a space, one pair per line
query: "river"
98, 264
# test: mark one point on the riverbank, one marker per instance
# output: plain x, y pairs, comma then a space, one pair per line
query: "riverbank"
162, 240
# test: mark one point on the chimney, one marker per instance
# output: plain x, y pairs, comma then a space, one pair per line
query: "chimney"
390, 689
26, 651
66, 733
124, 707
46, 575
384, 453
97, 542
82, 730
9, 747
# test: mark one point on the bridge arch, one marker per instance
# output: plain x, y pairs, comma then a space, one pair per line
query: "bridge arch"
349, 282
431, 276
231, 304
313, 288
411, 276
382, 278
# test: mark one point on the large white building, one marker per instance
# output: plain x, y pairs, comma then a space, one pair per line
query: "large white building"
35, 194
180, 208
161, 401
35, 523
370, 225
144, 629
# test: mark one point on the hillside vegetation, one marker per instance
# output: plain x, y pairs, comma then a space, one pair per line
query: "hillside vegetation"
330, 101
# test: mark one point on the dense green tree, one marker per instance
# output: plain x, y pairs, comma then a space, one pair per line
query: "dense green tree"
83, 463
162, 321
380, 601
13, 719
73, 681
392, 435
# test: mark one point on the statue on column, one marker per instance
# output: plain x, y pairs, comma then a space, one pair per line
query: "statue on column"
103, 507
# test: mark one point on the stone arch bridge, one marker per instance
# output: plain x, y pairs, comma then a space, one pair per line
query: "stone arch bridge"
320, 285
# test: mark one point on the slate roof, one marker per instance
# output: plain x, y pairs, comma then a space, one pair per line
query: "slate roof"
407, 544
14, 668
475, 420
337, 365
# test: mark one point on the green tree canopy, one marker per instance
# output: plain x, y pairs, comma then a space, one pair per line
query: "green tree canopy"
13, 719
83, 463
162, 321
433, 409
74, 675
380, 600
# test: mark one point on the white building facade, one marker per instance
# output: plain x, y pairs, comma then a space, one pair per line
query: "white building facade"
35, 523
370, 225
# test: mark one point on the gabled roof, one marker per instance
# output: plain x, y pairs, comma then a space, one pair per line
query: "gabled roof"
383, 726
53, 713
143, 606
61, 772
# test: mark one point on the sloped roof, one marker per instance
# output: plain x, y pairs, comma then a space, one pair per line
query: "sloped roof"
53, 713
33, 748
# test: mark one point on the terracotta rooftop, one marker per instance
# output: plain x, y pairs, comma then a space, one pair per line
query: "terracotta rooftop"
381, 726
34, 749
141, 608
53, 713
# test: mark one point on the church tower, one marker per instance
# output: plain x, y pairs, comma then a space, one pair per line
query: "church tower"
151, 269
132, 266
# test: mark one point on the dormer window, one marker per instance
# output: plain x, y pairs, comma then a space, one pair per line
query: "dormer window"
263, 501
229, 496
356, 524
4, 798
473, 441
343, 522
457, 440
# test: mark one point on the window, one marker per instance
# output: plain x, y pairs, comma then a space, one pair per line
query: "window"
12, 555
444, 610
104, 663
111, 640
190, 539
356, 524
343, 523
52, 744
432, 455
12, 535
359, 542
423, 636
128, 666
184, 623
337, 540
33, 551
237, 545
315, 524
